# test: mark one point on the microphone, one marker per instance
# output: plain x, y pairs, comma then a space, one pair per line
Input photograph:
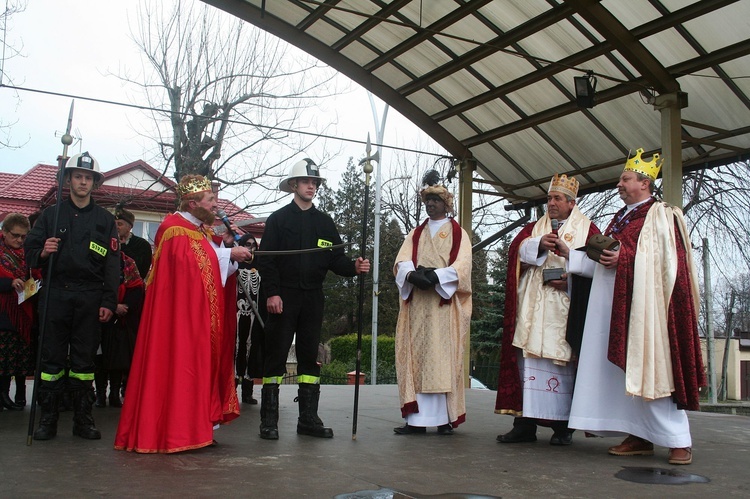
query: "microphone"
555, 227
223, 216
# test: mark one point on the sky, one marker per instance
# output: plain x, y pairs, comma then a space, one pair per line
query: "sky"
70, 46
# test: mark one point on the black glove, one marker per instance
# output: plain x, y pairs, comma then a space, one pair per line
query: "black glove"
418, 278
431, 276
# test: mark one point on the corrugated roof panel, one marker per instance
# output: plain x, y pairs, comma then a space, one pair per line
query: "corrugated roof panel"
325, 32
508, 14
492, 116
478, 32
501, 168
555, 42
426, 101
358, 53
669, 47
710, 101
422, 59
388, 36
632, 121
634, 13
538, 97
587, 143
509, 146
425, 13
529, 149
458, 127
721, 28
392, 76
458, 87
500, 67
739, 70
288, 11
351, 20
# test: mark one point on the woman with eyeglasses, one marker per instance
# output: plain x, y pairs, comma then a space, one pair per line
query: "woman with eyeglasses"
15, 319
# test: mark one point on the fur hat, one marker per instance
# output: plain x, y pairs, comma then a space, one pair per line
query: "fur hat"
123, 214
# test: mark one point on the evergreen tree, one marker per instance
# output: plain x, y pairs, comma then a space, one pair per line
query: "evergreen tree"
346, 206
487, 317
391, 239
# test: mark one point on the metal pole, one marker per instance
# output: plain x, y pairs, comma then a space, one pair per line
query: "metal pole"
709, 303
368, 170
723, 390
66, 139
379, 134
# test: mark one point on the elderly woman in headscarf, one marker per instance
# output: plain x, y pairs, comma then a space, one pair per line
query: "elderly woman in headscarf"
15, 319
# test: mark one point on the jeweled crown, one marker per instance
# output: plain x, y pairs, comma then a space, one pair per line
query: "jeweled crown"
194, 186
639, 165
566, 185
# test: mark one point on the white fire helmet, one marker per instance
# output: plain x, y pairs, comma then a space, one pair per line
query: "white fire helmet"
84, 161
303, 168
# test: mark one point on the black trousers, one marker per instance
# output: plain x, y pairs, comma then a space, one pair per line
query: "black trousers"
71, 337
303, 315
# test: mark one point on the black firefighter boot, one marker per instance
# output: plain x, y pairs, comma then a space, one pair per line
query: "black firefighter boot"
83, 421
115, 381
20, 398
309, 423
100, 381
247, 392
269, 412
49, 401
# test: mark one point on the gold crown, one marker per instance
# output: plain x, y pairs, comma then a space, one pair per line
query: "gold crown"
194, 186
566, 185
648, 168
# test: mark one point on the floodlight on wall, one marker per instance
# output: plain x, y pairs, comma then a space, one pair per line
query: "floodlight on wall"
585, 89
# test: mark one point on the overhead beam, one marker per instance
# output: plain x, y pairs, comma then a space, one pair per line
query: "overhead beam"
285, 31
628, 45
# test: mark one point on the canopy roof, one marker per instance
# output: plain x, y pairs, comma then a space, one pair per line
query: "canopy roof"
492, 80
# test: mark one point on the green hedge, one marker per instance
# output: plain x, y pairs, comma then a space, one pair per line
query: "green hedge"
344, 349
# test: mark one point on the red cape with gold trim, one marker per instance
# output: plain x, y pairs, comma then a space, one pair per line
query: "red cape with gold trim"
509, 399
684, 340
181, 381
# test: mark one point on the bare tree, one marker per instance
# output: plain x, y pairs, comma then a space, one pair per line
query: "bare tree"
226, 98
715, 205
8, 50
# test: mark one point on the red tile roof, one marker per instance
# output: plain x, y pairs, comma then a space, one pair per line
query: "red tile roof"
36, 189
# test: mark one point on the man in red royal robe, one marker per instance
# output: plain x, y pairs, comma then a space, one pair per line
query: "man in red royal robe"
181, 381
640, 366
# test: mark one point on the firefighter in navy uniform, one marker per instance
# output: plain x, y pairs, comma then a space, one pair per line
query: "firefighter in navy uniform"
293, 285
82, 294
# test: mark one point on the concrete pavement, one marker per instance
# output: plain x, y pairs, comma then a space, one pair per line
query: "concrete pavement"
470, 462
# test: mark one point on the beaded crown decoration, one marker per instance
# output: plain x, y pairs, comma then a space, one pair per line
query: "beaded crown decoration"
639, 165
566, 185
194, 186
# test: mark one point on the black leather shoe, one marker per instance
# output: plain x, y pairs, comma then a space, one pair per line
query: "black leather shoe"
8, 403
517, 435
269, 432
445, 429
410, 430
101, 400
564, 437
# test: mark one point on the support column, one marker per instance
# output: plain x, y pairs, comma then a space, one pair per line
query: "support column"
466, 171
670, 106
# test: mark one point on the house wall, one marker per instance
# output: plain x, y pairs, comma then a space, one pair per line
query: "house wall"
735, 356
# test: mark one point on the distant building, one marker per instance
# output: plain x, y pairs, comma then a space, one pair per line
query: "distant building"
738, 363
137, 186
